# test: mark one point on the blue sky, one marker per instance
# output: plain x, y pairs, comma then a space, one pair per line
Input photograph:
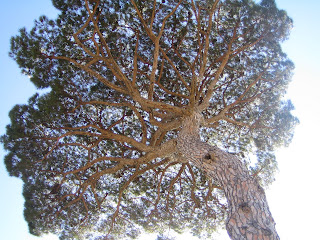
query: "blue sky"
294, 197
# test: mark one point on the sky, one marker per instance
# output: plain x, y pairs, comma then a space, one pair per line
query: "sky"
293, 198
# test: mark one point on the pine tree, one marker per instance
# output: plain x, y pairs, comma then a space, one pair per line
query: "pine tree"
157, 114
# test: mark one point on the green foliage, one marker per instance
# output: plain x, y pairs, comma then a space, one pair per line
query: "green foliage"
86, 134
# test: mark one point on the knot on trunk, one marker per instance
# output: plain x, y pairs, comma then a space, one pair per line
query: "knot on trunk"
209, 158
245, 207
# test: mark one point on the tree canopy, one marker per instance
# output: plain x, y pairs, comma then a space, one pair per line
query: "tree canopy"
97, 152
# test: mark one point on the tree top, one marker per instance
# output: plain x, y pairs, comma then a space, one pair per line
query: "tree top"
97, 152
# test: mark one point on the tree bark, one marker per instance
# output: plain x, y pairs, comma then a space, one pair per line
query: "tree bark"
249, 216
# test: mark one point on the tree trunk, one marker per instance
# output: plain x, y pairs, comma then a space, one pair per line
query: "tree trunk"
249, 216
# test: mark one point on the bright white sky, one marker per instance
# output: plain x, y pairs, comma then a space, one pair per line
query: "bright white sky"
293, 198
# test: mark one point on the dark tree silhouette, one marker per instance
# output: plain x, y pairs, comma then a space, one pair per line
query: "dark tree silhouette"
157, 114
